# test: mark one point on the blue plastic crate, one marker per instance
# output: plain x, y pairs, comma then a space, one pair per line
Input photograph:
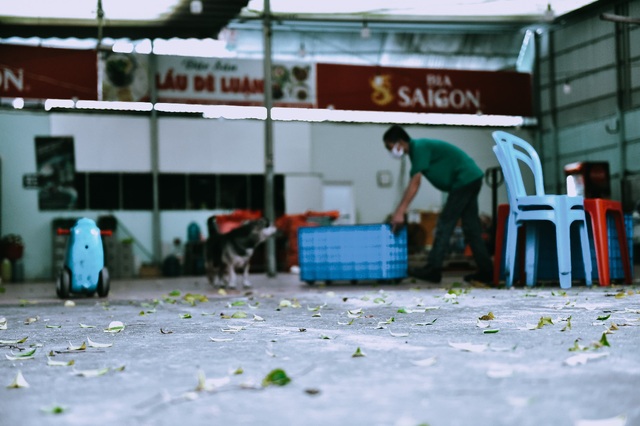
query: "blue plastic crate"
352, 253
548, 262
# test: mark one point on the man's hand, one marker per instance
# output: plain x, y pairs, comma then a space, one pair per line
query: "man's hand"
397, 219
397, 222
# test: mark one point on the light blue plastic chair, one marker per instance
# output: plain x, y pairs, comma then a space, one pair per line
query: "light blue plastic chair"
561, 210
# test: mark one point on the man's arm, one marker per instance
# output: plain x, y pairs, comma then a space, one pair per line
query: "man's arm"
397, 220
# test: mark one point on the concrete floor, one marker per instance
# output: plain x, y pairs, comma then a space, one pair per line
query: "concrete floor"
428, 360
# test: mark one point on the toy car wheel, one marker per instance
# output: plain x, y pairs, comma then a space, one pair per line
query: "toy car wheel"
103, 283
63, 284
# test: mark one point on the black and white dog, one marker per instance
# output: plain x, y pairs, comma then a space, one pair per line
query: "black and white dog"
233, 250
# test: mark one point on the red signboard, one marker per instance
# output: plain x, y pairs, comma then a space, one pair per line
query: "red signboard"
47, 73
370, 88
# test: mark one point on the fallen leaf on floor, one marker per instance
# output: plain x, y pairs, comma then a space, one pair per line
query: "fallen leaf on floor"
53, 363
52, 326
568, 326
233, 328
620, 420
69, 304
358, 353
487, 317
257, 318
114, 327
93, 344
582, 359
426, 323
82, 347
490, 331
398, 334
528, 327
192, 298
518, 402
91, 373
21, 355
55, 409
13, 342
218, 340
86, 326
18, 382
185, 316
31, 320
208, 385
499, 372
469, 347
3, 323
482, 323
544, 321
277, 377
427, 362
239, 314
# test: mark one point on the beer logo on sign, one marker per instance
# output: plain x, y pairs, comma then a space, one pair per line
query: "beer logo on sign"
382, 91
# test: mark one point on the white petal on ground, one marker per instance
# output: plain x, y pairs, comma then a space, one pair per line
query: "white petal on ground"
98, 345
18, 382
91, 373
469, 347
499, 372
82, 347
427, 362
482, 324
217, 340
398, 334
518, 401
581, 359
13, 342
114, 327
22, 355
53, 363
620, 420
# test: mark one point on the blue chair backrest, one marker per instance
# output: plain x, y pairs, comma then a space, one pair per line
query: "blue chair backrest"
511, 151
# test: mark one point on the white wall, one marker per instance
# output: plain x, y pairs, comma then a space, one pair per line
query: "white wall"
307, 153
106, 143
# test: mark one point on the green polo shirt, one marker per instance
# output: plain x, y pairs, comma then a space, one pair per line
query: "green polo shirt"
444, 165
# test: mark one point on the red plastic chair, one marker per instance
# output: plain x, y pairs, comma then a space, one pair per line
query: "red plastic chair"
597, 208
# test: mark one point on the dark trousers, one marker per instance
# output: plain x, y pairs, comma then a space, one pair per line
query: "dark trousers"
462, 203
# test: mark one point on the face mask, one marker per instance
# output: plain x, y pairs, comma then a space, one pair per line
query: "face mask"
396, 152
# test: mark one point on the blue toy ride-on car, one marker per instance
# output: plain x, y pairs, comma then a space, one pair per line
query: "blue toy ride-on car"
83, 271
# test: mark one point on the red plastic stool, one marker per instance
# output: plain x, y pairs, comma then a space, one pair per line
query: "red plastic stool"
597, 208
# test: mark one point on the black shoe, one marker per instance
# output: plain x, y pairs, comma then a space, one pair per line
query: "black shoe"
481, 277
426, 274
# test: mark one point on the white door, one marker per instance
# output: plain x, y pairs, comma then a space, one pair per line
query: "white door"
339, 196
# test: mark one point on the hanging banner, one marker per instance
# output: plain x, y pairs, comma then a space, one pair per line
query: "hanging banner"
233, 81
55, 160
196, 80
47, 73
369, 88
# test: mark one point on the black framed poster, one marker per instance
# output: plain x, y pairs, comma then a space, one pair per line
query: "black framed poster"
55, 162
